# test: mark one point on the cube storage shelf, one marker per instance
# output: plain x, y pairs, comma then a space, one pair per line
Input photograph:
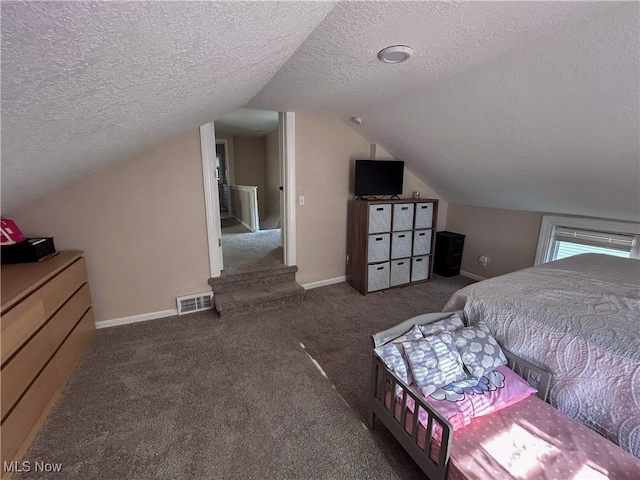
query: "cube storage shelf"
390, 242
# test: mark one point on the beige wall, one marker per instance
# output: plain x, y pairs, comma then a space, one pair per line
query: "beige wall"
508, 237
413, 184
325, 152
272, 180
141, 224
249, 160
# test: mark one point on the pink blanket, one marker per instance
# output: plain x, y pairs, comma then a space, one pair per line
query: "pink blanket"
529, 440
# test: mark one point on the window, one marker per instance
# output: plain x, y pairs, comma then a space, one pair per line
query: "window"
562, 237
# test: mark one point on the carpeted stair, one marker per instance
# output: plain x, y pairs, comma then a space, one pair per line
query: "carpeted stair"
246, 292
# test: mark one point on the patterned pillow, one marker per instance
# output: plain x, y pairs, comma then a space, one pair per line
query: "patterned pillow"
434, 362
462, 401
449, 324
391, 354
478, 349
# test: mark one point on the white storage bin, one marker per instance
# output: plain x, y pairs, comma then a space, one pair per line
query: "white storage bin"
424, 215
402, 216
401, 244
421, 242
378, 277
379, 246
420, 268
400, 271
379, 218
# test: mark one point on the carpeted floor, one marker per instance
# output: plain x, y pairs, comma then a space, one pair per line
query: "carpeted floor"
201, 397
245, 251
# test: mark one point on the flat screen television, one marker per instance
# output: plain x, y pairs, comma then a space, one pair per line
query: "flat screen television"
379, 177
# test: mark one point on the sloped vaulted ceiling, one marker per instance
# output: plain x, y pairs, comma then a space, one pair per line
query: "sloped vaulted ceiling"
88, 83
521, 105
516, 105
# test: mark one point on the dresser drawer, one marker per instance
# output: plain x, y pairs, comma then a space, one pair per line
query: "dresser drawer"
23, 368
19, 323
71, 351
30, 412
449, 242
60, 288
70, 313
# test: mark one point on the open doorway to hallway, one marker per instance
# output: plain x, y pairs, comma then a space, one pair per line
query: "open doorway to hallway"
248, 159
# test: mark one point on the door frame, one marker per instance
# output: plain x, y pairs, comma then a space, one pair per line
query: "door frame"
211, 198
287, 158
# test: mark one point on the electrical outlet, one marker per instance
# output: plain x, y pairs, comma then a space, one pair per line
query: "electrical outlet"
483, 260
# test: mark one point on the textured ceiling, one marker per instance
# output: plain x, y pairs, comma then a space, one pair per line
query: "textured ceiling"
248, 122
87, 83
522, 105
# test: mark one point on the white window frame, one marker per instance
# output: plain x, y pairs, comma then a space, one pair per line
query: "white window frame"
550, 223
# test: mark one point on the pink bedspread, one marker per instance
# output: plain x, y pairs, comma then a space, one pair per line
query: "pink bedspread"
578, 318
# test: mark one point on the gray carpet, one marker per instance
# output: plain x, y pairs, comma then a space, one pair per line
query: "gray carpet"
201, 397
245, 251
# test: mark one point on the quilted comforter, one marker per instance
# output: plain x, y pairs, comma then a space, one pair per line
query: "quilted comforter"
579, 318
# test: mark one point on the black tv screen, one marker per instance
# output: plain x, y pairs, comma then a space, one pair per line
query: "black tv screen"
379, 177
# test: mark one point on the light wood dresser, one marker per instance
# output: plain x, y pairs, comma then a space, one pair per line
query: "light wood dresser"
47, 324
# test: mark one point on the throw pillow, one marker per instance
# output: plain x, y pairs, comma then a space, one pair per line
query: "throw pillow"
478, 349
391, 353
434, 362
450, 324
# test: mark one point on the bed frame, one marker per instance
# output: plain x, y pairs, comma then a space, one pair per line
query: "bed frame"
382, 379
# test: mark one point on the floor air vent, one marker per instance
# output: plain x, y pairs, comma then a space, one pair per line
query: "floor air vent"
195, 303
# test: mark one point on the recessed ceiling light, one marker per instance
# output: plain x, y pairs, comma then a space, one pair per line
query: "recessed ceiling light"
395, 54
257, 129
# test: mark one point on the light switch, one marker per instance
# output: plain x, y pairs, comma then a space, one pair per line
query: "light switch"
301, 200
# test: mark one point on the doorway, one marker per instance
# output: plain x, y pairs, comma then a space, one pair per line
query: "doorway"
253, 160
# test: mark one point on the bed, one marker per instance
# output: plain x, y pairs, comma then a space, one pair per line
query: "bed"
528, 439
578, 318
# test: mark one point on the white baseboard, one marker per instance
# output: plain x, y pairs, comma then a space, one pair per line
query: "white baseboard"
136, 318
472, 276
324, 283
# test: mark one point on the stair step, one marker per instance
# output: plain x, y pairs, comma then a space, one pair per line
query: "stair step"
259, 298
237, 281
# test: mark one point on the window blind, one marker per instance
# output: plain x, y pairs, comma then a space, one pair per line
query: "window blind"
595, 239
